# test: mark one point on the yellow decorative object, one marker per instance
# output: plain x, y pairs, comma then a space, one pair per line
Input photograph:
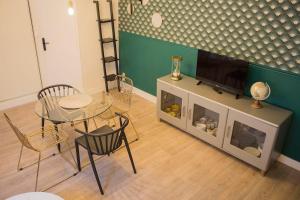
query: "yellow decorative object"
173, 114
168, 109
175, 107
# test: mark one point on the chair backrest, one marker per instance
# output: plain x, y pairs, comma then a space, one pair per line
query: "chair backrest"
51, 94
105, 143
22, 138
121, 89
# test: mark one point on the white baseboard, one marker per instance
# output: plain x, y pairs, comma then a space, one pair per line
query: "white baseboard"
92, 91
17, 101
145, 95
289, 162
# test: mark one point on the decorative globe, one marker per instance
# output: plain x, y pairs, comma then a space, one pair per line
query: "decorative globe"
260, 91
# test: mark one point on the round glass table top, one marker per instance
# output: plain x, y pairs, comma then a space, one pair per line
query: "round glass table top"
49, 108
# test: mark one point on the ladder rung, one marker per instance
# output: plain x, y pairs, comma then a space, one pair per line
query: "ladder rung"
108, 40
111, 77
110, 59
106, 20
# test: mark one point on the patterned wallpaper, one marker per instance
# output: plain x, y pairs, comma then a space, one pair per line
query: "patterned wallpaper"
265, 32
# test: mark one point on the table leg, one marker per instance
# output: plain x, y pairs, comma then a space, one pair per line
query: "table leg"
58, 145
86, 126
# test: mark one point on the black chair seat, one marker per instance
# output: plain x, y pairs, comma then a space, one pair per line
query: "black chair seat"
99, 145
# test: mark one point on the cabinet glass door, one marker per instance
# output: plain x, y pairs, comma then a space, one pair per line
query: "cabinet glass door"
249, 139
206, 120
172, 105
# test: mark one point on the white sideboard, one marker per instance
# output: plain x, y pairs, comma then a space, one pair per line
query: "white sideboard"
253, 135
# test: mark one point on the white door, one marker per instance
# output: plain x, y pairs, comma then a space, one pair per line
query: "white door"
206, 120
249, 139
19, 73
57, 42
172, 105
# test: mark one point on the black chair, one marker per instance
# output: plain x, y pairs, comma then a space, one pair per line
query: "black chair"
50, 96
103, 141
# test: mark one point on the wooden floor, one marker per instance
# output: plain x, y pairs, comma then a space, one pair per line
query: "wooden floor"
170, 163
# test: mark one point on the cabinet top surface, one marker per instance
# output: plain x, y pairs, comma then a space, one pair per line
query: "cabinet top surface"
269, 113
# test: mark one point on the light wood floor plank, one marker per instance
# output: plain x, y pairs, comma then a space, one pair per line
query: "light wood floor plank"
171, 165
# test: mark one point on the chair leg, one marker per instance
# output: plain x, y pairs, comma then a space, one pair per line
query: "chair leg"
43, 125
129, 153
78, 156
69, 149
136, 133
20, 156
95, 171
58, 145
37, 172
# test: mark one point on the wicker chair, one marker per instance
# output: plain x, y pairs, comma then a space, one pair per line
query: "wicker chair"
121, 89
35, 142
103, 141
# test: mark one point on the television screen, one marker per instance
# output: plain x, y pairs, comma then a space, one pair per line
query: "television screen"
223, 72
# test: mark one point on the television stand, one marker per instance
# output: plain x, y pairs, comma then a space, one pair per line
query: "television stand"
199, 82
218, 90
219, 120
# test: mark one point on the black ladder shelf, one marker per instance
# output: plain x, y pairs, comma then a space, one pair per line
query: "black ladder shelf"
113, 40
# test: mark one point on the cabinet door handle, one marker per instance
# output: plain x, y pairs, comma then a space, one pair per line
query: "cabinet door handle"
190, 114
183, 111
228, 131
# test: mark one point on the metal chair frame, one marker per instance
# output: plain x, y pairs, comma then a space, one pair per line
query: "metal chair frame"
103, 143
121, 92
57, 137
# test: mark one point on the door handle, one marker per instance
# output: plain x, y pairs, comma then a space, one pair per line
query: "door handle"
44, 44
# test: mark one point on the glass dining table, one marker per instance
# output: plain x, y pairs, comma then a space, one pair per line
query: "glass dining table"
50, 109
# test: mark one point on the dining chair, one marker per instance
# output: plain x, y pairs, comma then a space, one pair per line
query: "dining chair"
50, 96
121, 91
103, 141
34, 142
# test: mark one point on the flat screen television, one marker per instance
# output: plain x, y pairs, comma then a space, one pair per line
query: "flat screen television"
222, 72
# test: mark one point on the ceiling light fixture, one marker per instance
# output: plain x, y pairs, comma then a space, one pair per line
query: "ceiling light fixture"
70, 7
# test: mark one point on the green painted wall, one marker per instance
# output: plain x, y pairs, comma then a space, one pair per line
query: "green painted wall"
145, 59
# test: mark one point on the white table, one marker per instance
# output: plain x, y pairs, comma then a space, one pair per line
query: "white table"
35, 196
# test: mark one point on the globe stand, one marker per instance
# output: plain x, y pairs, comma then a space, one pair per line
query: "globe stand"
256, 104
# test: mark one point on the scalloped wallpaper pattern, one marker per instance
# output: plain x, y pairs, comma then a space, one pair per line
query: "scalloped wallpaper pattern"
265, 32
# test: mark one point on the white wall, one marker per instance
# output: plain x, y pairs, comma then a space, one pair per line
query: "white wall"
19, 74
90, 49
